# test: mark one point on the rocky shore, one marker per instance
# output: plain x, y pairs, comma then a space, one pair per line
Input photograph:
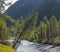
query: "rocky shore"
49, 48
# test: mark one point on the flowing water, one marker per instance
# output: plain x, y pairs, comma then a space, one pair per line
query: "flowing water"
27, 46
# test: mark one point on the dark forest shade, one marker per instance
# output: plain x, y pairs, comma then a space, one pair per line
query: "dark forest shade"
27, 7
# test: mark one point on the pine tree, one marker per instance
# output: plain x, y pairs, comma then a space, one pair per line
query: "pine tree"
43, 29
46, 21
19, 26
30, 27
54, 29
59, 26
57, 39
3, 29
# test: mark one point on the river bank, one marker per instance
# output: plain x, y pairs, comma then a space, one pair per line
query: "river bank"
6, 48
49, 48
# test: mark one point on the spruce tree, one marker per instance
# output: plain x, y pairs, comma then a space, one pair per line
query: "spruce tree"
46, 21
43, 29
3, 29
54, 29
30, 26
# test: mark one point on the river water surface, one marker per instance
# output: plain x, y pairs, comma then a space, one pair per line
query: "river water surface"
27, 46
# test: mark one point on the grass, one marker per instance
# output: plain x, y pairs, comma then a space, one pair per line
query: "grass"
5, 48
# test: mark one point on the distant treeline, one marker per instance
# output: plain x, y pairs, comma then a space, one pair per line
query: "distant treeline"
47, 31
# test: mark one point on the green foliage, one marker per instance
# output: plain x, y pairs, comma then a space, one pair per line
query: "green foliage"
30, 30
47, 23
54, 29
3, 29
19, 25
47, 31
5, 48
13, 21
43, 29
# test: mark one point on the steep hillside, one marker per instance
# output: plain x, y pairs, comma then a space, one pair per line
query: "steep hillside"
27, 7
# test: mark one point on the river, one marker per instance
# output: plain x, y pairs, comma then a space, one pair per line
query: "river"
27, 46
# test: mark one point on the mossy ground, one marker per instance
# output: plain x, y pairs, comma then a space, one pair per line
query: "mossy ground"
5, 48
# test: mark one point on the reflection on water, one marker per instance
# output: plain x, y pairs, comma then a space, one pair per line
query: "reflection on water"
27, 46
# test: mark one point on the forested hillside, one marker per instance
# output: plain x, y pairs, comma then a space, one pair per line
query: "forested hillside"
27, 7
29, 24
30, 21
47, 31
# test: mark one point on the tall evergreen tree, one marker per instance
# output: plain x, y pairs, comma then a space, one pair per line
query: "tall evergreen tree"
30, 27
19, 26
46, 21
59, 26
43, 29
3, 29
54, 29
